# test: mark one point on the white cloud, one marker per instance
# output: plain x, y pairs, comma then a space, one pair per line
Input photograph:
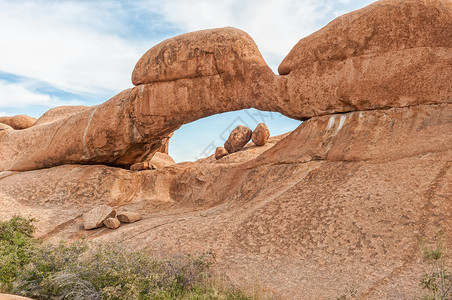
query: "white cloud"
17, 95
276, 26
70, 45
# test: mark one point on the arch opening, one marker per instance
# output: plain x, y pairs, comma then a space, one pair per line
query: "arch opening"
199, 139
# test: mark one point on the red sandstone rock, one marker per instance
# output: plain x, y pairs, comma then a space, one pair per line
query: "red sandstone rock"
260, 134
220, 152
238, 138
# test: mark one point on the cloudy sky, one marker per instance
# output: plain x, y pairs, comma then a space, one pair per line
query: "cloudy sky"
83, 52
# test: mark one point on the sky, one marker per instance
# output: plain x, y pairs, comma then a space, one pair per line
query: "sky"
57, 52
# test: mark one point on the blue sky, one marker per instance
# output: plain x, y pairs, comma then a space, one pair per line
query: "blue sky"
83, 52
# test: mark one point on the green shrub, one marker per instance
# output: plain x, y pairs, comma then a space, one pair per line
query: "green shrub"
81, 270
16, 239
438, 282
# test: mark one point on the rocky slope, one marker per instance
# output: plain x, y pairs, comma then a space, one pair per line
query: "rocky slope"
341, 201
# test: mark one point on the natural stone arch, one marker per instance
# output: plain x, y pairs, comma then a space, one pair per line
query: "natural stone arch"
212, 71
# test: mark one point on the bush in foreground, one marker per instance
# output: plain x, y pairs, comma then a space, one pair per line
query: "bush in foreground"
84, 271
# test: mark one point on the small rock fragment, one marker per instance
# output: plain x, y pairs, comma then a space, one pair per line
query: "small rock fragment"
128, 217
144, 165
238, 138
260, 134
220, 152
112, 223
95, 217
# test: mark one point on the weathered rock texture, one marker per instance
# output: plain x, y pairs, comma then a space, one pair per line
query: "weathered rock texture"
61, 112
347, 195
96, 216
341, 201
371, 59
18, 122
260, 134
220, 152
158, 161
112, 223
364, 60
129, 217
238, 138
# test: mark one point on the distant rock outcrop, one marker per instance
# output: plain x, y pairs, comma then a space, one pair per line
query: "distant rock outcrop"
18, 122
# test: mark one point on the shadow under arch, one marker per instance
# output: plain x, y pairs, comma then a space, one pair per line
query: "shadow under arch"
200, 138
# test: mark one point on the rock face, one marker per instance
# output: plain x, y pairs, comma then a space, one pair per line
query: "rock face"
220, 152
61, 112
369, 59
349, 193
260, 134
349, 65
129, 217
362, 185
18, 122
159, 160
238, 138
96, 216
112, 223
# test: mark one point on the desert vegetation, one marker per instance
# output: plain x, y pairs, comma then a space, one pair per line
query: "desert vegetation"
438, 282
81, 270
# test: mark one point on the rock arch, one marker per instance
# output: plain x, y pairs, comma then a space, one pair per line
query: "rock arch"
345, 66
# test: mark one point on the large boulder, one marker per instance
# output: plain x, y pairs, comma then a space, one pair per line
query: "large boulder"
129, 217
238, 138
96, 216
260, 134
375, 30
18, 122
199, 54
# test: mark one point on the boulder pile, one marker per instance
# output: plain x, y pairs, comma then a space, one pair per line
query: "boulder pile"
240, 136
106, 215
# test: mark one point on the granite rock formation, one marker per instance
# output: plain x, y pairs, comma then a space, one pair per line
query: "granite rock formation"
341, 201
18, 122
348, 65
